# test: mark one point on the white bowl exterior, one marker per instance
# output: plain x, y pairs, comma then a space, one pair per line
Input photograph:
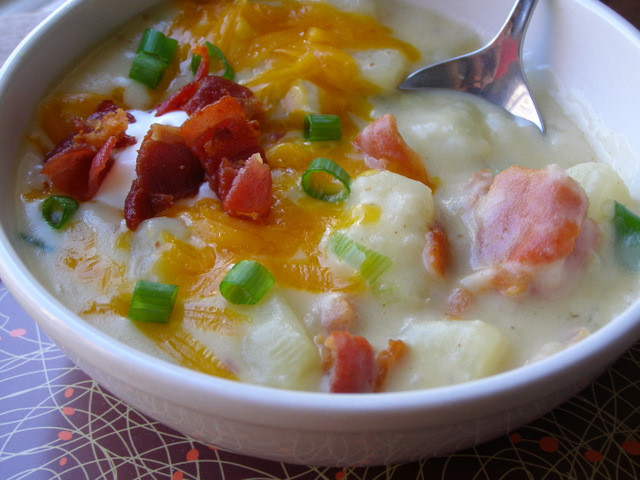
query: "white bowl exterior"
313, 428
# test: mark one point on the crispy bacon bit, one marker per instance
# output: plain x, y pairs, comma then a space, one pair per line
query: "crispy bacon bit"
529, 216
436, 253
528, 226
245, 190
227, 144
206, 91
386, 360
166, 171
221, 130
79, 163
69, 170
460, 301
334, 313
385, 149
108, 120
353, 367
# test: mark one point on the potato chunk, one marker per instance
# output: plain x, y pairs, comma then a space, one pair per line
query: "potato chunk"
446, 352
602, 185
277, 350
390, 214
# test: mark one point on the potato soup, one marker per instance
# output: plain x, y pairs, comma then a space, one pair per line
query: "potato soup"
250, 168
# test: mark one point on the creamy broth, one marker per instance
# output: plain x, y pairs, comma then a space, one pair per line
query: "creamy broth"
93, 264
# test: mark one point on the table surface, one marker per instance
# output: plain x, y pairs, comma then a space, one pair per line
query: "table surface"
57, 423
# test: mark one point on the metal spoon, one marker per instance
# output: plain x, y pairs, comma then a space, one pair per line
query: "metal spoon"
494, 72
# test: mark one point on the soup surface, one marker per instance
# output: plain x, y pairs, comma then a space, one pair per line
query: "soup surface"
454, 242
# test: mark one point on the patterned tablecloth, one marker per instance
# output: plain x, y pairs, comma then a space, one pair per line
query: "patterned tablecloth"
57, 423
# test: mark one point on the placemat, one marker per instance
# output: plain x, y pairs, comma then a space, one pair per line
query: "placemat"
57, 423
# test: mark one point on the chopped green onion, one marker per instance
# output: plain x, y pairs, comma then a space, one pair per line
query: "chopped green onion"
195, 63
369, 263
627, 237
35, 241
153, 57
246, 283
322, 127
152, 302
216, 54
58, 209
147, 69
326, 180
157, 44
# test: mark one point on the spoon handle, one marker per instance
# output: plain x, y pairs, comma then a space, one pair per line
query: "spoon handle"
518, 20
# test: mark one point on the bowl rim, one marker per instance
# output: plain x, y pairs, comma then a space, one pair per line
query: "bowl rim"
52, 315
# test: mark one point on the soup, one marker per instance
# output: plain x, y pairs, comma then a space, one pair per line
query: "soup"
261, 203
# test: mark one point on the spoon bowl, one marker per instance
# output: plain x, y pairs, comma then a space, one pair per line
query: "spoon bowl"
494, 72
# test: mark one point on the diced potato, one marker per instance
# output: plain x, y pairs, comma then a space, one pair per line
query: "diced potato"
149, 243
384, 68
446, 352
302, 98
390, 214
602, 185
277, 349
445, 129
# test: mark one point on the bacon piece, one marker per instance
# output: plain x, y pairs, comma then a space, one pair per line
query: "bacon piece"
245, 188
385, 149
221, 130
207, 90
528, 225
167, 170
107, 121
386, 360
69, 170
529, 216
334, 312
77, 165
353, 367
100, 166
226, 142
436, 254
460, 301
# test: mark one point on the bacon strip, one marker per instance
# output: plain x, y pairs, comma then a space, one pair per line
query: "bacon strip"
436, 254
167, 170
226, 142
245, 187
353, 367
206, 90
529, 216
531, 229
385, 149
386, 360
78, 165
221, 130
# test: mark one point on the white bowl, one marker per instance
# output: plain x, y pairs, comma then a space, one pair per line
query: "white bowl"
592, 51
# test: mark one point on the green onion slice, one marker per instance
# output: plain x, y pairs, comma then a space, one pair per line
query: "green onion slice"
322, 127
35, 242
147, 69
246, 283
152, 302
369, 263
216, 53
153, 57
157, 44
58, 209
627, 237
195, 63
326, 180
